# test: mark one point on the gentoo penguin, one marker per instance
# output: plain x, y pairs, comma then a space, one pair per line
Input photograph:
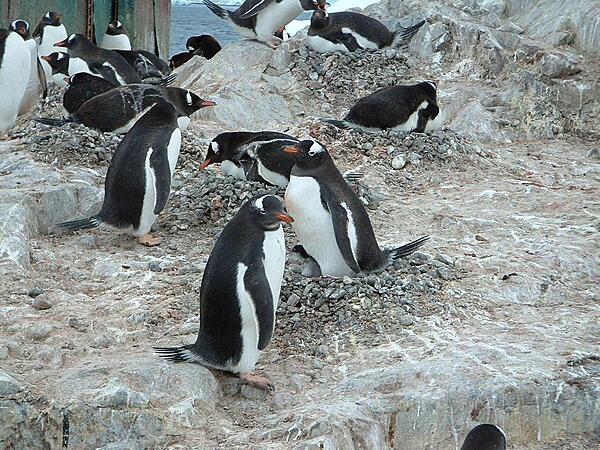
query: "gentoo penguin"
36, 84
349, 31
149, 67
204, 45
115, 37
107, 63
15, 65
63, 66
329, 218
47, 33
485, 437
82, 87
180, 59
402, 108
118, 109
255, 156
138, 180
259, 19
240, 292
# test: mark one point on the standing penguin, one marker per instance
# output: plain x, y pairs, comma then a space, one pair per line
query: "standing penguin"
255, 156
36, 84
108, 64
259, 19
329, 218
349, 31
138, 180
118, 109
485, 437
47, 33
15, 65
402, 108
115, 37
240, 292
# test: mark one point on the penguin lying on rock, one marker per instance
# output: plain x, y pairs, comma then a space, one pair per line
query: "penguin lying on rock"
118, 109
402, 108
485, 437
240, 292
204, 45
329, 218
138, 180
259, 19
349, 31
149, 67
82, 87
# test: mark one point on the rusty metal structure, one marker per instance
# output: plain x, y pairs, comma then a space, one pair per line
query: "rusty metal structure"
147, 21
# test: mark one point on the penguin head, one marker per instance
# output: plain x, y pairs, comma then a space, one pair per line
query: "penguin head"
59, 61
51, 18
267, 211
21, 27
320, 19
430, 88
74, 42
115, 28
485, 437
190, 102
309, 154
309, 5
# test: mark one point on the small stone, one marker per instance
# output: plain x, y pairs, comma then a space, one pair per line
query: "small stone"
103, 341
293, 300
154, 267
35, 291
414, 159
3, 351
41, 302
398, 162
78, 324
40, 331
118, 395
510, 27
406, 320
253, 393
444, 273
594, 153
8, 385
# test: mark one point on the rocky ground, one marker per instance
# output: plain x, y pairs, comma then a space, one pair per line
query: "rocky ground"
495, 320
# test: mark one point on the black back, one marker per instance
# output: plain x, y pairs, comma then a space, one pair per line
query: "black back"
180, 59
96, 57
219, 338
145, 64
204, 45
82, 87
125, 182
335, 191
51, 18
485, 437
393, 105
329, 26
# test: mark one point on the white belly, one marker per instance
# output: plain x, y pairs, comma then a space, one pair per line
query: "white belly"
51, 36
409, 125
271, 177
148, 217
276, 16
321, 45
436, 123
118, 42
250, 352
173, 148
231, 169
183, 122
314, 227
274, 262
32, 91
14, 76
78, 65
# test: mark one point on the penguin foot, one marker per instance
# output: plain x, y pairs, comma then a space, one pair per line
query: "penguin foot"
148, 240
257, 381
5, 137
274, 42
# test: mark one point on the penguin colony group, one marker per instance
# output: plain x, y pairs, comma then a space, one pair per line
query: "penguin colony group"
113, 88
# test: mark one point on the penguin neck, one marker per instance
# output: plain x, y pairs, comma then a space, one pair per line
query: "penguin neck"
325, 168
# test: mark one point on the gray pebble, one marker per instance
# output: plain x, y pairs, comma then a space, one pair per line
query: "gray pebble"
41, 302
40, 331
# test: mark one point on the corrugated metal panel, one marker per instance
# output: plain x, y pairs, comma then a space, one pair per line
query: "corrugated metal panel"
146, 21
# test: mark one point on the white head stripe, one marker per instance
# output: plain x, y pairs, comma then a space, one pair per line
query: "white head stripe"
118, 24
432, 84
316, 148
215, 147
60, 56
188, 97
259, 203
47, 16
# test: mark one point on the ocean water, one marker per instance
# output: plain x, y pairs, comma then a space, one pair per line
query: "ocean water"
192, 18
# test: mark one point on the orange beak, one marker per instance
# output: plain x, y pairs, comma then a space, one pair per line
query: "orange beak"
61, 43
291, 150
284, 217
46, 58
205, 164
207, 103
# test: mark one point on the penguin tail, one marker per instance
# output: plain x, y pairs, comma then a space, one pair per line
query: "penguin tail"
216, 9
403, 35
407, 249
167, 81
52, 122
353, 177
185, 353
337, 123
80, 224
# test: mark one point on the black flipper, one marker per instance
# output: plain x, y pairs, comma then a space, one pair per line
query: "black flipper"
80, 224
350, 42
42, 78
52, 122
339, 217
216, 9
257, 287
159, 163
407, 249
255, 9
403, 35
166, 81
342, 124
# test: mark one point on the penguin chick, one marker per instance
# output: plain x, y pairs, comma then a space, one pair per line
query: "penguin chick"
485, 437
240, 292
138, 180
401, 108
349, 31
254, 156
259, 19
330, 220
115, 37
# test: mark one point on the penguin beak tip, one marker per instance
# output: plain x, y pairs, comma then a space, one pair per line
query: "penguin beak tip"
207, 103
291, 150
205, 164
284, 217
